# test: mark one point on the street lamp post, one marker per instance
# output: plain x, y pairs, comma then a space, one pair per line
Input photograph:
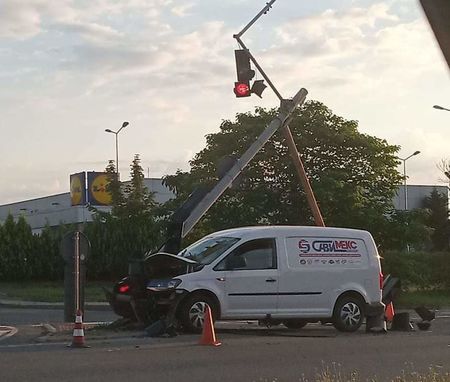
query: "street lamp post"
404, 176
440, 108
116, 133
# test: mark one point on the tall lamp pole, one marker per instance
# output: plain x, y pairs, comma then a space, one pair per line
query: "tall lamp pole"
116, 133
404, 176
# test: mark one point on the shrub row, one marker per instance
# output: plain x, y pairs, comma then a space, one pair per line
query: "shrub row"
422, 270
24, 256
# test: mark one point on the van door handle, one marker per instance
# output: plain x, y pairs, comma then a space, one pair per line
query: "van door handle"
220, 278
271, 280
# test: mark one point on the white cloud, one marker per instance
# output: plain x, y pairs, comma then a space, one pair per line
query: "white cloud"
19, 19
182, 10
168, 68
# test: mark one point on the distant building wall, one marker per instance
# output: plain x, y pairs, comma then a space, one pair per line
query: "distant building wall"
54, 210
416, 195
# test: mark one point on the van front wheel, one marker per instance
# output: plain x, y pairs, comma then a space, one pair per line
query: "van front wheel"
348, 314
193, 312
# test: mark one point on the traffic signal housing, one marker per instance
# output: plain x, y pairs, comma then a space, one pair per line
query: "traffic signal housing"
245, 74
258, 87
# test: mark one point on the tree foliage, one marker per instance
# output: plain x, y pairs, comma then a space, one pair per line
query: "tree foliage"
437, 206
129, 231
24, 256
353, 175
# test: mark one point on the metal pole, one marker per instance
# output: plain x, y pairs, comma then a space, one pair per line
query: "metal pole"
117, 155
404, 184
303, 177
263, 11
77, 271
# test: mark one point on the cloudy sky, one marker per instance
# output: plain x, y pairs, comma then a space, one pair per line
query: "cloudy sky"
69, 69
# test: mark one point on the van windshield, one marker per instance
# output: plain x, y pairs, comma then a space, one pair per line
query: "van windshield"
206, 251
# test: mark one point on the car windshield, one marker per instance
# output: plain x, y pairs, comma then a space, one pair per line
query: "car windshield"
206, 251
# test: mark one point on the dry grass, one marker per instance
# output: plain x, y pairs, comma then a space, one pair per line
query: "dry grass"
335, 373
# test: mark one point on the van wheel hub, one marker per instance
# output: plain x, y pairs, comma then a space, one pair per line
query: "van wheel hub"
350, 314
197, 314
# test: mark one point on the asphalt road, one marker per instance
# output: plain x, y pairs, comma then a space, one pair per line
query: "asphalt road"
248, 353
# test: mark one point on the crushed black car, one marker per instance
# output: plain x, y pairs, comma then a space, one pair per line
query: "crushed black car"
148, 293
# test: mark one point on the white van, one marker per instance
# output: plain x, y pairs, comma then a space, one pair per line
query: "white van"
288, 274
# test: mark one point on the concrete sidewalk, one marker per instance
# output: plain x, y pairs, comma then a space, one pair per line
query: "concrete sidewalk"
49, 305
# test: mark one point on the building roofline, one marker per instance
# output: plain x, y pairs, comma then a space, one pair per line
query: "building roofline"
33, 199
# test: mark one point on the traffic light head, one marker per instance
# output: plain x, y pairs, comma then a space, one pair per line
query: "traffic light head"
245, 74
242, 89
258, 87
243, 68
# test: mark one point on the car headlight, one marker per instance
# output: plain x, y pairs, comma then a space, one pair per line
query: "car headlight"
163, 285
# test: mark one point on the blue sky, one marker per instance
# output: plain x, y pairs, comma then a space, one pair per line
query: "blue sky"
71, 69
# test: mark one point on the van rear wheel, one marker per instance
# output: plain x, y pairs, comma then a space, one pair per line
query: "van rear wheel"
348, 313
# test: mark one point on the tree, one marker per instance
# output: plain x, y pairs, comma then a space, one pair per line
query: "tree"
114, 187
129, 231
353, 175
406, 230
437, 205
16, 249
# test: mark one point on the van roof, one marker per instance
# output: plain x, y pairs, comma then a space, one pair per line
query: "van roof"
286, 230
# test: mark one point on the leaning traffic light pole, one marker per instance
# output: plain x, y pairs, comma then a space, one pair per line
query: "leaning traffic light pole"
283, 118
242, 88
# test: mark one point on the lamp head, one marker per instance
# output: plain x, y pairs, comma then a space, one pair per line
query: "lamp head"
416, 153
125, 124
438, 107
109, 131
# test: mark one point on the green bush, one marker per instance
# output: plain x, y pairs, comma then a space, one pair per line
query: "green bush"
421, 270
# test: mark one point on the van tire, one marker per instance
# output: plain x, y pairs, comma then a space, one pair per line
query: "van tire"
295, 323
348, 313
192, 312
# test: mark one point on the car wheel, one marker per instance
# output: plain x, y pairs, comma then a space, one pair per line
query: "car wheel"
295, 323
193, 312
348, 314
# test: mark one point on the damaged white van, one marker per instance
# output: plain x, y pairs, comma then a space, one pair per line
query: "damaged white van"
287, 274
280, 274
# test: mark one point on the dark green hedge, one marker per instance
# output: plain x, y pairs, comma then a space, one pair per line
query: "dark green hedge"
422, 270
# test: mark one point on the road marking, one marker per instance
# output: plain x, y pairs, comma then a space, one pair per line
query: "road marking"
7, 331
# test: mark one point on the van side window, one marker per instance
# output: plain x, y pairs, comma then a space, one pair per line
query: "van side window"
254, 254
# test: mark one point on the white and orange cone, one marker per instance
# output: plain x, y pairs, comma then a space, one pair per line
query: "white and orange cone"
389, 312
208, 334
78, 332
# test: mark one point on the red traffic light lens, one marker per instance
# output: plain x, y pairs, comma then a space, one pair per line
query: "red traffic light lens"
241, 89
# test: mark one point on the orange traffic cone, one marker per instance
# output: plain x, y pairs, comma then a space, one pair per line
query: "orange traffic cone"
389, 312
78, 332
208, 335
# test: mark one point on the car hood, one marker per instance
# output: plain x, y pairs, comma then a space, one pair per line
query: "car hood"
163, 265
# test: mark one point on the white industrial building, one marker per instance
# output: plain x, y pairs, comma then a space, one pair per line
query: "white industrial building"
54, 210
